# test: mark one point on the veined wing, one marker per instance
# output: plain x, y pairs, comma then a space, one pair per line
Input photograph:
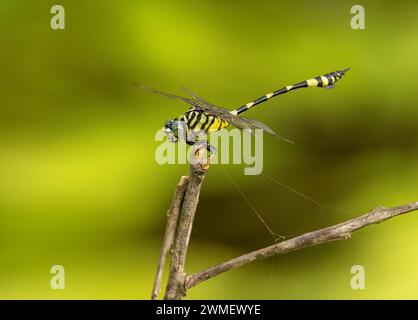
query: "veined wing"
199, 103
245, 123
168, 95
235, 120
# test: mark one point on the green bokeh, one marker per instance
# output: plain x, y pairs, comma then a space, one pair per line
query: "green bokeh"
79, 185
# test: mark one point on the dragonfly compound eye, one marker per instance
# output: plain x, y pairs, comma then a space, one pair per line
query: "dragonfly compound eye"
167, 125
170, 129
171, 125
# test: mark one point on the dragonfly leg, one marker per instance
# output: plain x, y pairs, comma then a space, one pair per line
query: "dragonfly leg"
210, 149
198, 151
205, 144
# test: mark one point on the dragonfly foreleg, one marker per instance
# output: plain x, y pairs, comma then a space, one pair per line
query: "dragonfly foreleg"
199, 151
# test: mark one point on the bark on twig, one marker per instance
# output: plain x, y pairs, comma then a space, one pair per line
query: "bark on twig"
180, 219
176, 280
170, 231
340, 231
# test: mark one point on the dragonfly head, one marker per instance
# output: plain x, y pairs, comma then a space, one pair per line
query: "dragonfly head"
171, 130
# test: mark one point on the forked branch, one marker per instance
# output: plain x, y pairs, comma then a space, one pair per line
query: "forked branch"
180, 222
170, 232
339, 231
177, 276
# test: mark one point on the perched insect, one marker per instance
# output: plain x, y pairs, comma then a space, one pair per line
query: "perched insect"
206, 117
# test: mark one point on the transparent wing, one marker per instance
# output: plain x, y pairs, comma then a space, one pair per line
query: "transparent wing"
267, 130
197, 102
237, 121
168, 95
245, 123
201, 104
193, 94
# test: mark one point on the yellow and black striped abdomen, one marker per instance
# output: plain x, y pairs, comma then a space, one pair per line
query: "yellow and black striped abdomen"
326, 81
198, 120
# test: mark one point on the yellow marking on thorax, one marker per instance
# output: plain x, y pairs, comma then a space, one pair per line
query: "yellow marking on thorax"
198, 126
312, 83
218, 125
324, 81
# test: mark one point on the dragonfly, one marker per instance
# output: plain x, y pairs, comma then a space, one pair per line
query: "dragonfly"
204, 117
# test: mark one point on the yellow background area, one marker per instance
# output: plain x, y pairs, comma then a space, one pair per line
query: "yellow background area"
79, 185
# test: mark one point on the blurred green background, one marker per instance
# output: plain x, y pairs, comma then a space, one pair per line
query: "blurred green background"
79, 185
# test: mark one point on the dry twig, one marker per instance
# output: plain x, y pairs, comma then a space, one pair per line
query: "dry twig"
170, 231
177, 276
340, 231
179, 282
